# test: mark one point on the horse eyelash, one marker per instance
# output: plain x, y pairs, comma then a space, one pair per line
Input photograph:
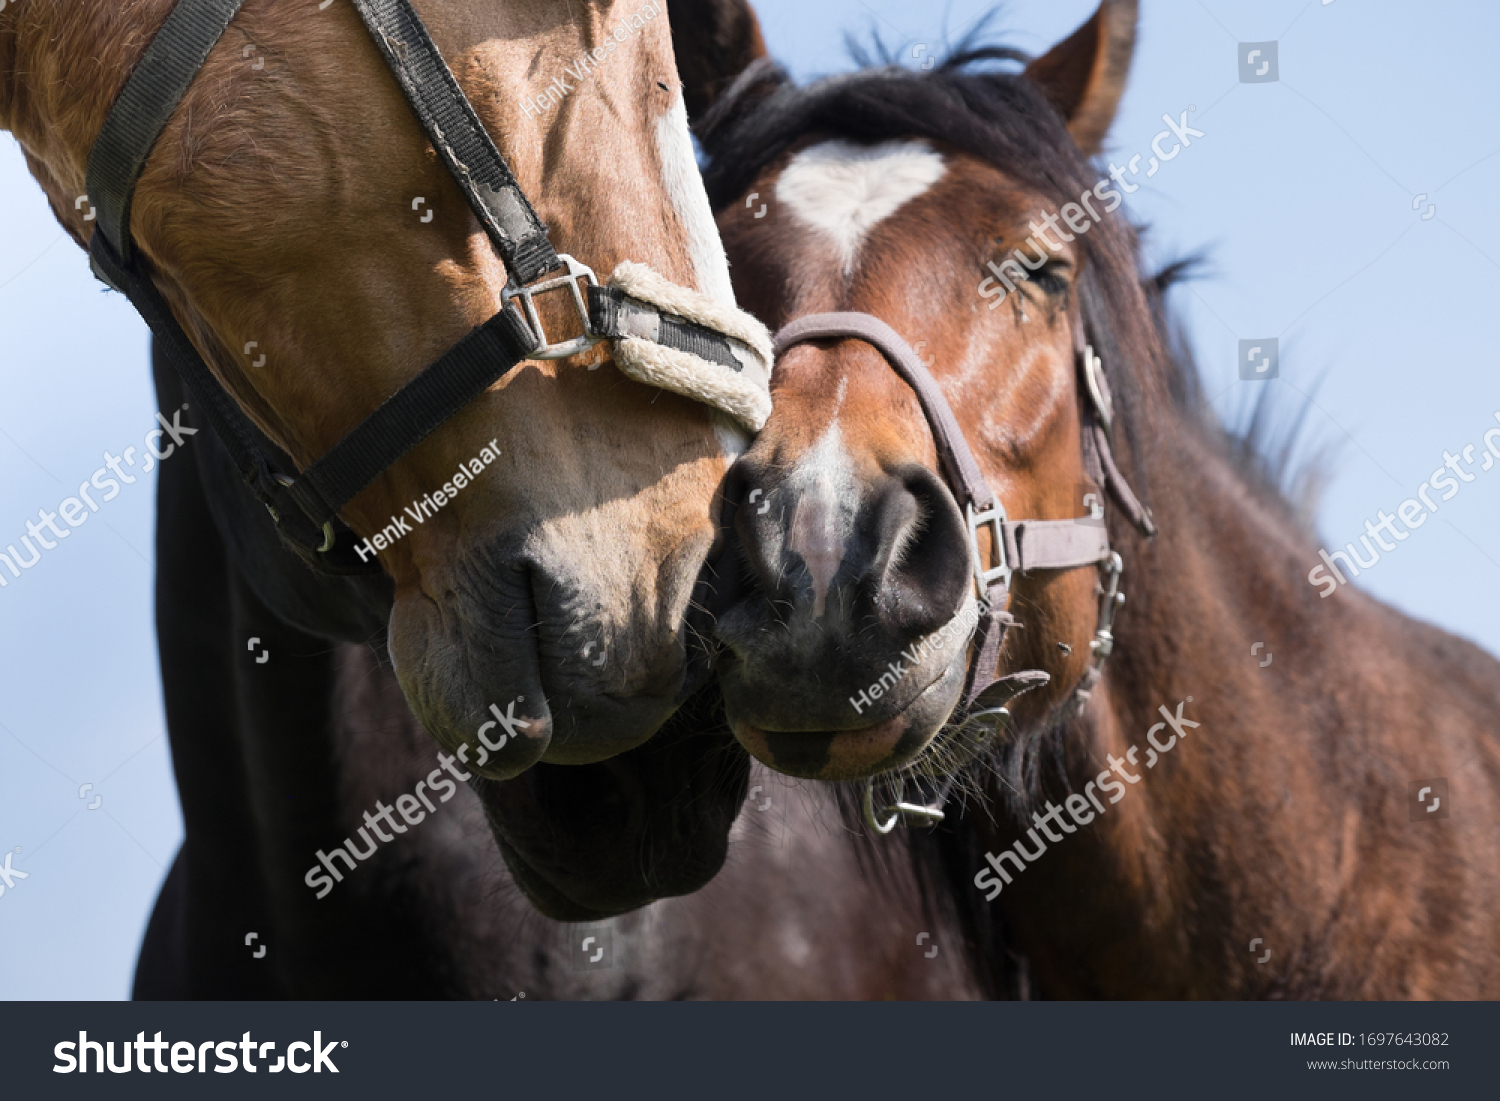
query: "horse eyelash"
1051, 279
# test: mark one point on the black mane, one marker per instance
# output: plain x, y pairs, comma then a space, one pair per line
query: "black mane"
999, 117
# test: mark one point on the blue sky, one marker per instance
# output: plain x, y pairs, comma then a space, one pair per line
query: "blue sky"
1304, 194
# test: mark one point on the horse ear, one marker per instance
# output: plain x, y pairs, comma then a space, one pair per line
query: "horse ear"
715, 41
1084, 75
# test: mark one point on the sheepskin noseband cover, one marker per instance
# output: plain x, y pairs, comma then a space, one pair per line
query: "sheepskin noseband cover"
668, 336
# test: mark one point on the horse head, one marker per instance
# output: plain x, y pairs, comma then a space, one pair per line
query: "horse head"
543, 546
545, 543
847, 617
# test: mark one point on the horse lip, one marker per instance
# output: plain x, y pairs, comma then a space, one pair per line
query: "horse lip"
855, 725
852, 753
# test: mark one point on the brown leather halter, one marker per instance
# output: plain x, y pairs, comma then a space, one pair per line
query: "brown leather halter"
1014, 544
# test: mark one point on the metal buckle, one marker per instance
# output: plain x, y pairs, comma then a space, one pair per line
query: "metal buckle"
1104, 640
545, 349
1092, 367
930, 816
328, 537
994, 519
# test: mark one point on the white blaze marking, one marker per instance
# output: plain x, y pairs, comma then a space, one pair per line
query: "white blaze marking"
733, 439
684, 186
826, 495
845, 190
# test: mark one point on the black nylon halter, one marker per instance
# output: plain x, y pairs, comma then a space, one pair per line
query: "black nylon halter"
306, 507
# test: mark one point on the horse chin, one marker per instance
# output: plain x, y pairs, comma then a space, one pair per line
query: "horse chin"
593, 841
533, 698
865, 751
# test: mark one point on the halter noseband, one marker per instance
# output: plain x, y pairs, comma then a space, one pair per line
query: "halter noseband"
665, 335
1015, 544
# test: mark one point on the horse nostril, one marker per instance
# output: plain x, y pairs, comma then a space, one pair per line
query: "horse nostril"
900, 553
752, 517
921, 568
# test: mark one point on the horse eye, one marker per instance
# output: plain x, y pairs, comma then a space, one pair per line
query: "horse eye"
1052, 278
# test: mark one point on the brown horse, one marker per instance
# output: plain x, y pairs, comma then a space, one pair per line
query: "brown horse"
293, 206
280, 762
319, 255
1222, 827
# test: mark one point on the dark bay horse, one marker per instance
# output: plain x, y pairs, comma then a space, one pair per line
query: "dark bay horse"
1198, 823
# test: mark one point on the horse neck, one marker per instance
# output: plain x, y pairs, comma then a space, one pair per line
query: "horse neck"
1255, 822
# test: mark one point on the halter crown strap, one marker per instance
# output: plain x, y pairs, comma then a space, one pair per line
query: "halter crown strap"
1098, 427
460, 139
142, 111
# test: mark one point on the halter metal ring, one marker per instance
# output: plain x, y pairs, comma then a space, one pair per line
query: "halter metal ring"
931, 815
545, 349
328, 537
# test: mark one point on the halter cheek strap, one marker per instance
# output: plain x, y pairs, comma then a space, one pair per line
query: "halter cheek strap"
713, 352
1014, 544
1099, 462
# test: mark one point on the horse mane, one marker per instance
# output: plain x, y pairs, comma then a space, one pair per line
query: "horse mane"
1003, 119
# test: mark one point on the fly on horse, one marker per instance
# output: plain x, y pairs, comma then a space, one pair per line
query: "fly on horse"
923, 576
